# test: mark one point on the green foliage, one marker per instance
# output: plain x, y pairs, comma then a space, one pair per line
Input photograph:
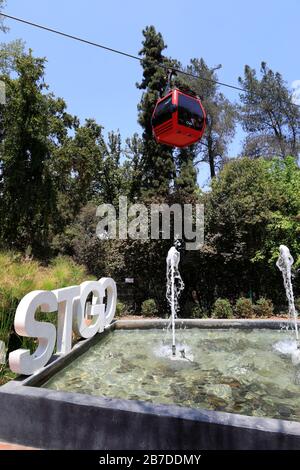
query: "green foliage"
62, 272
6, 374
9, 53
51, 165
121, 309
79, 240
149, 308
193, 310
133, 166
28, 196
197, 312
222, 309
244, 308
77, 162
186, 179
252, 208
264, 308
268, 113
19, 276
6, 322
284, 222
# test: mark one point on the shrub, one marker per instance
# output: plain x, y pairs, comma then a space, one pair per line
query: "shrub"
222, 309
149, 308
264, 307
193, 310
244, 308
121, 309
197, 312
297, 304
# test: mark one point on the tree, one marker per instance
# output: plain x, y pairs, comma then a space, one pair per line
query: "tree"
133, 166
268, 113
79, 239
221, 115
8, 51
112, 183
186, 179
31, 128
284, 222
77, 164
261, 145
253, 207
157, 160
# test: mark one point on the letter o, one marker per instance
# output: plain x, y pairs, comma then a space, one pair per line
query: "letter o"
109, 285
79, 324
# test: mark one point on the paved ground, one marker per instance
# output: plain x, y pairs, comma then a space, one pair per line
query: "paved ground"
7, 446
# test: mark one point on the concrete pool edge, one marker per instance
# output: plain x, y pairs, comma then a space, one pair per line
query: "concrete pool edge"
52, 419
204, 323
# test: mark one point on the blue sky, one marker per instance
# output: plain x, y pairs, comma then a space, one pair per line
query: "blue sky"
101, 85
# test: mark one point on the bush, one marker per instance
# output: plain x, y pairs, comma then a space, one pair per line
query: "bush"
264, 307
197, 312
297, 304
121, 309
193, 310
149, 308
244, 308
222, 309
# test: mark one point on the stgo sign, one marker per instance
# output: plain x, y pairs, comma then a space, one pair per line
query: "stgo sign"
70, 305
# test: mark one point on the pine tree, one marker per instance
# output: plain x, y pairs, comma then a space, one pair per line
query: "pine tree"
268, 114
157, 160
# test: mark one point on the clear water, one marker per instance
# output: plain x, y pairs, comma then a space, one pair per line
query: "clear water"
238, 371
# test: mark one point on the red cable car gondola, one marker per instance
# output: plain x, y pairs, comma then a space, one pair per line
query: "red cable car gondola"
178, 119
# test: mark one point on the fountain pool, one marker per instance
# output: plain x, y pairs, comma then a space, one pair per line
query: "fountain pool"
248, 372
123, 389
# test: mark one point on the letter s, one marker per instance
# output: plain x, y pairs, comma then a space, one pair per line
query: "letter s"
21, 361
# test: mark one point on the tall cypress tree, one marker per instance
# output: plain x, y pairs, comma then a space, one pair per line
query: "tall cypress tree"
157, 160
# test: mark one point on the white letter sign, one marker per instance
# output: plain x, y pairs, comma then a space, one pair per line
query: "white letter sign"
70, 305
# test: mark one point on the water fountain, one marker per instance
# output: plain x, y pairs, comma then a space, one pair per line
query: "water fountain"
284, 264
233, 384
175, 286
